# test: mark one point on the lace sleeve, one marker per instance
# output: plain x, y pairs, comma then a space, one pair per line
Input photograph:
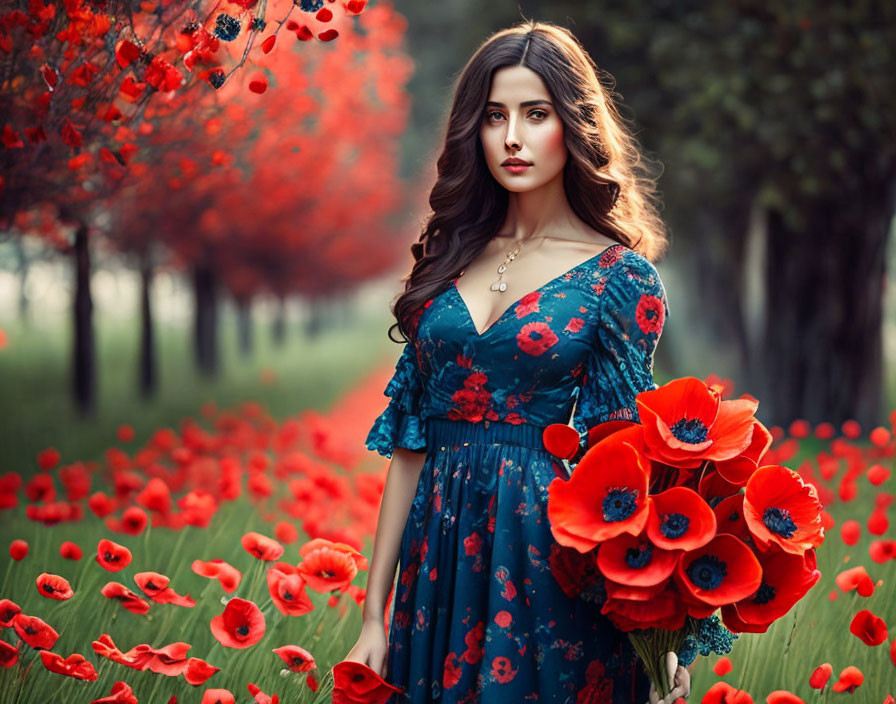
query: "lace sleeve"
632, 313
401, 423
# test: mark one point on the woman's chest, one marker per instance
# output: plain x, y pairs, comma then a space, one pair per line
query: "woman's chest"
544, 336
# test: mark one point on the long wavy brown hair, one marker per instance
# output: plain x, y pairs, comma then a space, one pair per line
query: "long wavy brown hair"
606, 178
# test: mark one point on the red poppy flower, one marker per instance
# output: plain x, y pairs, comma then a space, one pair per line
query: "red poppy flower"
48, 458
680, 519
663, 610
714, 488
133, 520
782, 696
155, 496
260, 697
739, 469
286, 532
8, 611
685, 422
106, 648
100, 504
850, 532
155, 586
820, 676
170, 660
312, 546
198, 671
228, 575
575, 572
605, 497
70, 551
722, 667
53, 586
296, 658
326, 569
240, 626
634, 561
779, 507
870, 629
112, 556
723, 571
850, 678
128, 599
18, 549
217, 696
74, 665
730, 518
878, 523
354, 682
261, 546
561, 440
785, 580
34, 631
724, 693
620, 591
287, 588
882, 550
9, 654
855, 578
121, 694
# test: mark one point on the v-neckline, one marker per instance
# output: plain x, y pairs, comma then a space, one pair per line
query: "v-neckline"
513, 305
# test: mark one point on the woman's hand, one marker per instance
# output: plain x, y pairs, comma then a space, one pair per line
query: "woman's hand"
371, 648
679, 681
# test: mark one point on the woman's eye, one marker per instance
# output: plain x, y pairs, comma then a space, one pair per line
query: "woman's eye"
538, 114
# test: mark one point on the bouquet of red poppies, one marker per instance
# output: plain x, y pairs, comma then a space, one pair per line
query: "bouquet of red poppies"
680, 517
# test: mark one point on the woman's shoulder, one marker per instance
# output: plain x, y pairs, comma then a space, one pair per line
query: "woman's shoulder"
629, 268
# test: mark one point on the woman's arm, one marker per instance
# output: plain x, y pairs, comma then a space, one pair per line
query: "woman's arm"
398, 494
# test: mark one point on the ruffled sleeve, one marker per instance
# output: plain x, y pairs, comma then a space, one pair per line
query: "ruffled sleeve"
401, 424
632, 311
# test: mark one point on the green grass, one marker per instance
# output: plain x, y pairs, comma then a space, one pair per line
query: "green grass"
36, 404
311, 373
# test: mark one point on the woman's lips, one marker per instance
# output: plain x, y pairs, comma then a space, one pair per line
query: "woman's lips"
517, 168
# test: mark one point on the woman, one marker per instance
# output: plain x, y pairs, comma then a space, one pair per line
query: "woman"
532, 301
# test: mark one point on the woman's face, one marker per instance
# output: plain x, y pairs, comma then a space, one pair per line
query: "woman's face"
520, 121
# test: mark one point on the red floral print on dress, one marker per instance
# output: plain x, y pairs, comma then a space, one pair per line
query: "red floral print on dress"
473, 400
528, 304
503, 670
546, 338
650, 314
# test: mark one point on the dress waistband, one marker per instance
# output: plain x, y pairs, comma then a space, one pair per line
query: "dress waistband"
441, 431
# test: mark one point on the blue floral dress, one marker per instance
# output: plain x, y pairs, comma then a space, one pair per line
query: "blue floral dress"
477, 613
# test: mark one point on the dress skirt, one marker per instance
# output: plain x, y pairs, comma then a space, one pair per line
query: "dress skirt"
477, 614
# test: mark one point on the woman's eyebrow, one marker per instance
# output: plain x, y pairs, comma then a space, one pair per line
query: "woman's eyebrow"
524, 104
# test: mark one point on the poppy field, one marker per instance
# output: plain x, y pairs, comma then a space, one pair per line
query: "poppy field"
226, 560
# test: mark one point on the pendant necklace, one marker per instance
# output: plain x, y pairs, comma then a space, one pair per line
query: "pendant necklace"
500, 285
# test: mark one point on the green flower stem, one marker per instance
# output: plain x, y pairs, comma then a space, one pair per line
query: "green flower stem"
652, 645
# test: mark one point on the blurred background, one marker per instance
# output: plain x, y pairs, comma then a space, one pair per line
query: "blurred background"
272, 278
243, 245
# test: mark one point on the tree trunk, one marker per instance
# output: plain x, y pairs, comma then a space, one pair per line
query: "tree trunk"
148, 365
244, 327
84, 354
314, 325
278, 331
22, 260
717, 270
823, 346
206, 320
